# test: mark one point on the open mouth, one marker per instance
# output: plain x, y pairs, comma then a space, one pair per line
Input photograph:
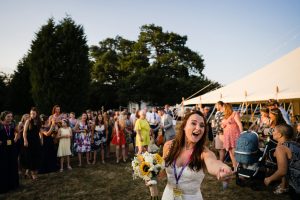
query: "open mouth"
196, 133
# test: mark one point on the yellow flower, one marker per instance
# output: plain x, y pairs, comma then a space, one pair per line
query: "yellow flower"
144, 168
158, 158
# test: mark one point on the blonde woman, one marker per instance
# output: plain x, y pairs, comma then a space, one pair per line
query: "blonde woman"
232, 128
142, 129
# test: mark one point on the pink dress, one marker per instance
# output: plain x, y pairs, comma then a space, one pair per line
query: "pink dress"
231, 132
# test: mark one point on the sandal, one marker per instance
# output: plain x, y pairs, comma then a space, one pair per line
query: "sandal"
69, 168
280, 190
61, 170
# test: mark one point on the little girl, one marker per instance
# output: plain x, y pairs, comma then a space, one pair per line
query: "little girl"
64, 135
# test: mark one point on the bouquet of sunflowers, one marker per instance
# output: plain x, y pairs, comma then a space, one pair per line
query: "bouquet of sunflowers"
147, 166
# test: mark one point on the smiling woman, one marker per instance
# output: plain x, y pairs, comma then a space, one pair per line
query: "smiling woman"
186, 157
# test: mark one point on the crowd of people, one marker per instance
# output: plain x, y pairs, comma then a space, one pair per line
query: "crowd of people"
42, 144
274, 129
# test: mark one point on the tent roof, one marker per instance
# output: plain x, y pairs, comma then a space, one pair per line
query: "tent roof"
278, 80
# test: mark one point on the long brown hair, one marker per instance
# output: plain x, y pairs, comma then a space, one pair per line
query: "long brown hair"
54, 108
279, 118
227, 110
179, 142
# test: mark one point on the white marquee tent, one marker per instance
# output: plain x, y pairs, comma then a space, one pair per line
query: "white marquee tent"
279, 80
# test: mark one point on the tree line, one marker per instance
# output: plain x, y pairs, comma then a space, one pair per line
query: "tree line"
60, 68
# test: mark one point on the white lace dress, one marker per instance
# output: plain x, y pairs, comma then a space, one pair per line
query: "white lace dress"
189, 182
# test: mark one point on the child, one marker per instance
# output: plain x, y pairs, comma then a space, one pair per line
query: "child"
64, 135
152, 148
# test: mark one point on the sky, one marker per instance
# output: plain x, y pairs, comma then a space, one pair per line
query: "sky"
234, 37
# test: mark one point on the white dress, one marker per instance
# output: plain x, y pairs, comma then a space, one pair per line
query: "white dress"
189, 182
64, 146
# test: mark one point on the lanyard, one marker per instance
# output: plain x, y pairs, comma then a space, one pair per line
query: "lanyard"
177, 177
7, 130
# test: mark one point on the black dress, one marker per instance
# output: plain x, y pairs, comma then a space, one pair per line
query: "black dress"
33, 153
9, 177
49, 158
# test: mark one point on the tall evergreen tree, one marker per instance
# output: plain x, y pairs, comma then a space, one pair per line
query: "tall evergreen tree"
59, 66
20, 98
3, 91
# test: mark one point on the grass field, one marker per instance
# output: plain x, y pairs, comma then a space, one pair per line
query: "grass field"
114, 181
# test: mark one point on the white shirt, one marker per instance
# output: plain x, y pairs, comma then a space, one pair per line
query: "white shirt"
132, 118
153, 118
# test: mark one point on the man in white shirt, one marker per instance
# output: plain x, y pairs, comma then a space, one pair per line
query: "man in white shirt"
154, 120
132, 116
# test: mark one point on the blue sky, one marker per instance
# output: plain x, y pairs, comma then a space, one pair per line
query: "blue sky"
235, 37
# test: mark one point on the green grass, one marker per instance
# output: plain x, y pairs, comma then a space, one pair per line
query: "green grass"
114, 181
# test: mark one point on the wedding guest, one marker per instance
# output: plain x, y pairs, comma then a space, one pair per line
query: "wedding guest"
186, 158
9, 177
72, 123
142, 129
166, 125
20, 142
33, 140
272, 103
72, 120
64, 135
49, 159
108, 123
82, 140
262, 125
128, 133
154, 121
218, 130
98, 138
119, 138
287, 154
55, 121
232, 128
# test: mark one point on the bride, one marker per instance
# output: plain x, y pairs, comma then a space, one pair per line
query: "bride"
186, 157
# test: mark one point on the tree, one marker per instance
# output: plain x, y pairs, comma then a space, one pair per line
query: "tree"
112, 65
20, 98
174, 70
3, 90
158, 68
59, 66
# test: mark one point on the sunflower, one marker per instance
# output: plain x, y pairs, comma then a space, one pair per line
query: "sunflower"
144, 168
158, 159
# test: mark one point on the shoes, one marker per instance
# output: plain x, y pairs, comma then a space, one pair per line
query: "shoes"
280, 190
103, 162
117, 161
69, 168
61, 170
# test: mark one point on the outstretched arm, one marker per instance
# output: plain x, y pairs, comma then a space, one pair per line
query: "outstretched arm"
214, 166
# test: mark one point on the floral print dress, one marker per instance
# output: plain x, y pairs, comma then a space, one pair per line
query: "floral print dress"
82, 139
